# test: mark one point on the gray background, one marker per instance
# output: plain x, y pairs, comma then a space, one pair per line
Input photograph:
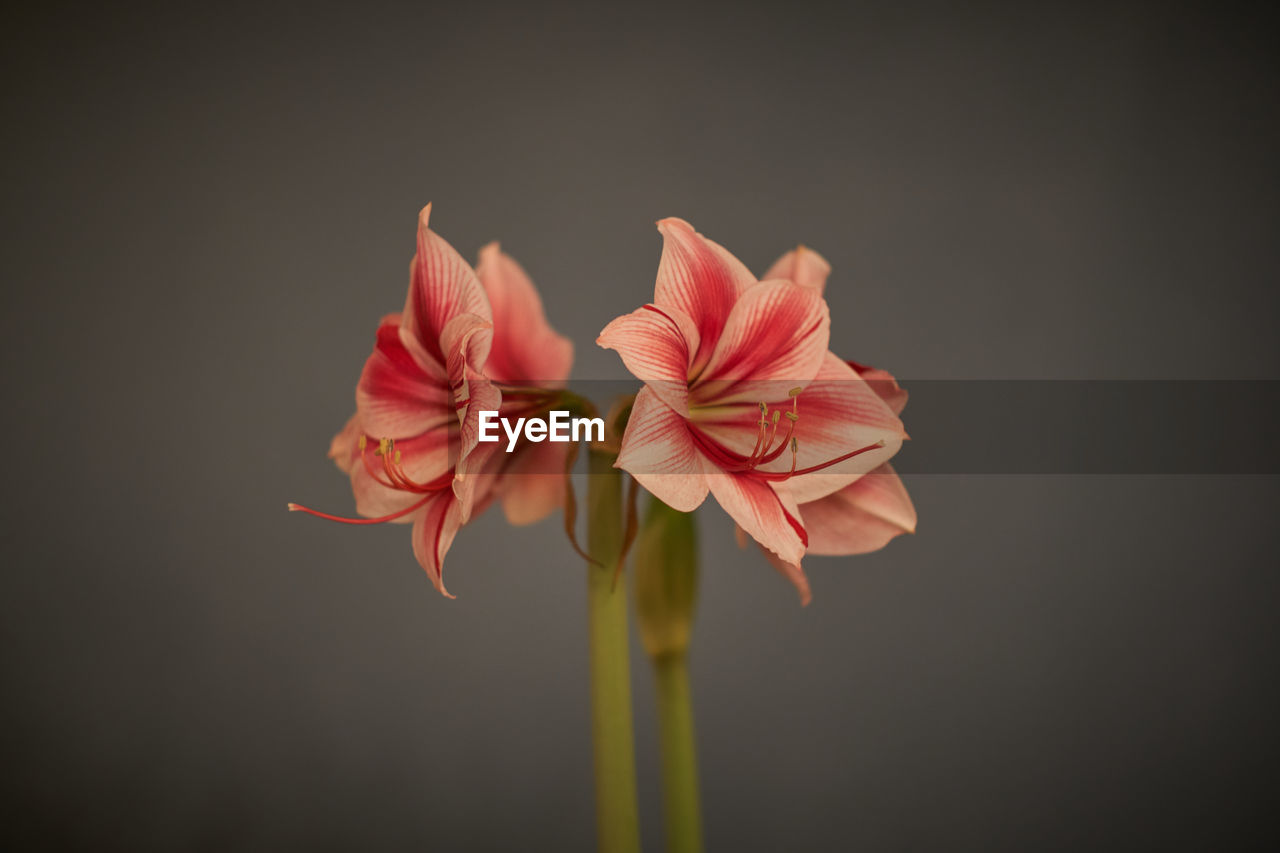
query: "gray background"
207, 211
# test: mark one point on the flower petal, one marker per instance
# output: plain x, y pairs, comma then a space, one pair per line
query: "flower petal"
480, 396
442, 285
396, 398
802, 265
343, 447
885, 386
767, 513
657, 346
465, 343
700, 279
433, 533
465, 340
658, 451
525, 347
776, 335
861, 517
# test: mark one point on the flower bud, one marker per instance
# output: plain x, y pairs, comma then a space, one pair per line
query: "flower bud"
666, 578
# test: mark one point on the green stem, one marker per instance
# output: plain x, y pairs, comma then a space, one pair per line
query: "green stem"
679, 755
617, 818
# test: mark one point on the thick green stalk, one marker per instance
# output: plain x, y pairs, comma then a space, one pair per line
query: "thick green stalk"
617, 817
679, 754
666, 589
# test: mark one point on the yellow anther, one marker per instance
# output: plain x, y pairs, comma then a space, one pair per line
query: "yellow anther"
364, 442
792, 416
397, 457
384, 444
764, 410
794, 391
776, 414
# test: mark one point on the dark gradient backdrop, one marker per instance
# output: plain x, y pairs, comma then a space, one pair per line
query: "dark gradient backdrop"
206, 212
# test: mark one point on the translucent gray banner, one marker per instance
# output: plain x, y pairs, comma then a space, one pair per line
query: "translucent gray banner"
1073, 426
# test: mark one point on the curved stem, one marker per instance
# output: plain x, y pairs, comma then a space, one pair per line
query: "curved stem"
617, 819
679, 754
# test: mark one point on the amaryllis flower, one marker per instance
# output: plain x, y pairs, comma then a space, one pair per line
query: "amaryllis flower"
742, 398
412, 450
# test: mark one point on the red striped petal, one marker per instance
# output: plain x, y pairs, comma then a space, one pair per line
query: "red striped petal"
658, 451
700, 279
657, 346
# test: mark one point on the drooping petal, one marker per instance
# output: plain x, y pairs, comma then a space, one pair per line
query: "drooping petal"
657, 345
532, 485
659, 452
525, 347
480, 396
766, 512
433, 531
442, 285
700, 279
793, 573
802, 265
776, 335
885, 386
396, 397
465, 340
861, 517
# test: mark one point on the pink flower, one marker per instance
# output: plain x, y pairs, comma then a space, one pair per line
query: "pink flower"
412, 450
742, 398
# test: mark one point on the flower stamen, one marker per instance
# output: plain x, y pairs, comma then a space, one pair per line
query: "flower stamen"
396, 479
765, 451
768, 475
395, 471
760, 435
293, 507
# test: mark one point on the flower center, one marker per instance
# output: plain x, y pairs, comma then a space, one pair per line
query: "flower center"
396, 477
767, 450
